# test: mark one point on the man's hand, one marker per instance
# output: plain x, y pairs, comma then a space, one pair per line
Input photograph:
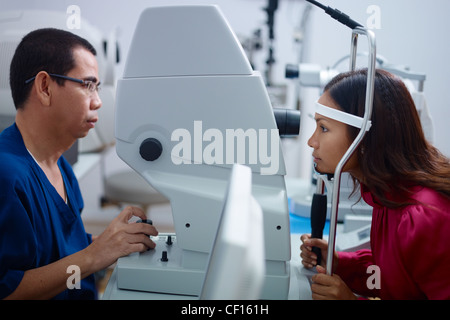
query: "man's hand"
122, 238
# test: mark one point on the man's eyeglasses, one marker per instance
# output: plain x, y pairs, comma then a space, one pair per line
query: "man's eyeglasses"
89, 85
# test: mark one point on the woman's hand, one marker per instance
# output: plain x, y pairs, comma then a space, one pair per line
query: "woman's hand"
309, 258
326, 287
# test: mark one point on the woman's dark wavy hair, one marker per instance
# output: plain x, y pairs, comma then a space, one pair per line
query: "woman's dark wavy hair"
394, 155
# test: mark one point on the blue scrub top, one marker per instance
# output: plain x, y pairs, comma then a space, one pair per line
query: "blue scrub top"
37, 227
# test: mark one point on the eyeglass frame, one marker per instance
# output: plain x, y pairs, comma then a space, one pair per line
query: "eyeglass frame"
87, 83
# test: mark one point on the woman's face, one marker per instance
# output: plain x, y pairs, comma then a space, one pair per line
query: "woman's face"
330, 141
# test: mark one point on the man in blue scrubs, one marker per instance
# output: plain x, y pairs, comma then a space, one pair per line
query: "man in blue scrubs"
54, 83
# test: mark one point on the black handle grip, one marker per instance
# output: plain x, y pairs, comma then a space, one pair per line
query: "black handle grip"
318, 217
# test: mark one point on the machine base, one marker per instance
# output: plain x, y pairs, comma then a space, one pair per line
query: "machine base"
182, 274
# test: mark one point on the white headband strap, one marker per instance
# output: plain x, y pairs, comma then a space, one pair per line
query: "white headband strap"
341, 116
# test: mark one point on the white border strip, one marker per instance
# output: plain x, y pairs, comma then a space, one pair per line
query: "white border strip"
341, 116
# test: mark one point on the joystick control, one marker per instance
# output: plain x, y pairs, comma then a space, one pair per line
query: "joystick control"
148, 221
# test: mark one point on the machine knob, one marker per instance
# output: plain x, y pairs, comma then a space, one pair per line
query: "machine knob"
151, 149
148, 221
292, 71
164, 256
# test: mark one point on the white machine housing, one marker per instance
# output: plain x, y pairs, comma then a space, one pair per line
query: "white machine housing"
185, 66
239, 238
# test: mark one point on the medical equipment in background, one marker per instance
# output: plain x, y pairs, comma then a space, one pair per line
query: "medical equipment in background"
357, 30
310, 75
416, 91
195, 73
278, 92
271, 8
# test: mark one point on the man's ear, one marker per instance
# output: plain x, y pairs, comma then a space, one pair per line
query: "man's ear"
43, 88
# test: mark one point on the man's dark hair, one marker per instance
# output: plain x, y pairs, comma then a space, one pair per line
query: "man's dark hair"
49, 50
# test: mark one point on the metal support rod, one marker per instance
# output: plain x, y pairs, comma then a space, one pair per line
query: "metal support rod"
367, 116
320, 187
353, 51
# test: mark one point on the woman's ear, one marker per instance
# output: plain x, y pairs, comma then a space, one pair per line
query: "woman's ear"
42, 87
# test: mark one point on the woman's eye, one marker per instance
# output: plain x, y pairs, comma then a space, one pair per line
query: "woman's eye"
324, 129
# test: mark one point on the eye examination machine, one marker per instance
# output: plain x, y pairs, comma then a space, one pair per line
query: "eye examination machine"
190, 106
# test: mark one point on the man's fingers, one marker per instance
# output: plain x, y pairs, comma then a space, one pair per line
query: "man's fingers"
141, 239
144, 228
130, 212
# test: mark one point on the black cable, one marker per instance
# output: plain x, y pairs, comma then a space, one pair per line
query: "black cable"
337, 15
318, 4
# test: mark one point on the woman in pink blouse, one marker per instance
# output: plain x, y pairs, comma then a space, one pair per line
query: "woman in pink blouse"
407, 182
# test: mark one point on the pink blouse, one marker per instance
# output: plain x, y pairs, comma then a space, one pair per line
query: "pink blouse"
411, 247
